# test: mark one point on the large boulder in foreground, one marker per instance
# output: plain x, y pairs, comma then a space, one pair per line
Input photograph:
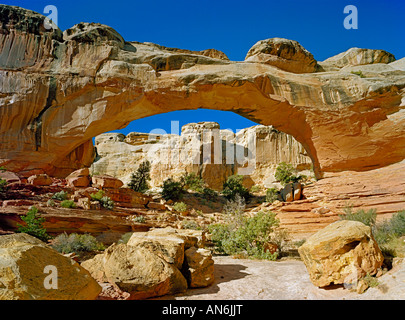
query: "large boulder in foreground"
342, 252
136, 270
23, 273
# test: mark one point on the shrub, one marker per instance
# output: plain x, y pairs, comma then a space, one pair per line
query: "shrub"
139, 179
246, 235
233, 186
3, 186
209, 194
358, 73
70, 204
286, 173
138, 219
389, 230
255, 188
272, 195
180, 207
74, 242
172, 189
62, 195
367, 217
33, 225
190, 224
190, 181
236, 206
105, 201
50, 203
125, 237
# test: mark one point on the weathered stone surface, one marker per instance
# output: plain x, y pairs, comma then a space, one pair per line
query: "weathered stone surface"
57, 94
282, 53
136, 270
343, 252
199, 267
355, 57
170, 248
23, 260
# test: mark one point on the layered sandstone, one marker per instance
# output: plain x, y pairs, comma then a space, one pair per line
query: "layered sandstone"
204, 149
59, 90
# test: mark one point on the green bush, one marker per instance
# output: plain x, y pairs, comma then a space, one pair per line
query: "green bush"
3, 186
235, 207
272, 195
172, 189
33, 225
286, 173
233, 186
367, 217
74, 242
62, 195
180, 207
190, 224
190, 181
390, 229
139, 179
358, 73
70, 204
246, 235
105, 201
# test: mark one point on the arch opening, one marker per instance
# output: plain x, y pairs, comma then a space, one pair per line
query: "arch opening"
212, 144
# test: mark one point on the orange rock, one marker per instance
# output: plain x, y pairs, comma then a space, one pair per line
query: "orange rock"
40, 180
105, 181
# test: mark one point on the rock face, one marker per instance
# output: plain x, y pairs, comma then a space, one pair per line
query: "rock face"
204, 149
23, 262
59, 90
343, 252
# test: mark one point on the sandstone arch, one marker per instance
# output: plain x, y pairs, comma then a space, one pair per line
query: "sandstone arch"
57, 91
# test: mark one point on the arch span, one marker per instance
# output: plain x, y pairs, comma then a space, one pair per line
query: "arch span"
58, 90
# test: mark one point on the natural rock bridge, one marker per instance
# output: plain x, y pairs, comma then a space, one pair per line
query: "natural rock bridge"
59, 90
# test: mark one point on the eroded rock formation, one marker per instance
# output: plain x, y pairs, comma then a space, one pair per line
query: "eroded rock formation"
58, 90
201, 148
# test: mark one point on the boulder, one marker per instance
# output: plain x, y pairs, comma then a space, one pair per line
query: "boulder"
127, 198
78, 182
40, 180
10, 177
170, 248
199, 267
105, 181
297, 191
287, 193
79, 178
284, 54
23, 272
355, 57
342, 252
136, 270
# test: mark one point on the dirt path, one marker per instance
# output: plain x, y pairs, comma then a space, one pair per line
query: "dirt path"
282, 280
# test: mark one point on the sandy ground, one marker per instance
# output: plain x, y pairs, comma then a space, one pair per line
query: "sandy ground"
283, 280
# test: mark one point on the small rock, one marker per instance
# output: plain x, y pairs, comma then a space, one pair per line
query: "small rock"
40, 180
106, 181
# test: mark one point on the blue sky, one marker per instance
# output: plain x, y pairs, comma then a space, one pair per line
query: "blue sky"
233, 27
